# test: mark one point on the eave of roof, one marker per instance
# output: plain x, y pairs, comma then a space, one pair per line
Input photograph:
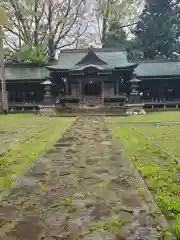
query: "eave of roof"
166, 77
25, 80
133, 66
91, 66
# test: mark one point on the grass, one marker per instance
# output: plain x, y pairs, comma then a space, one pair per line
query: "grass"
150, 117
160, 171
168, 137
21, 153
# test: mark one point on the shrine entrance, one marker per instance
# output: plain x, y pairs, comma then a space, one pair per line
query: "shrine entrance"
92, 89
91, 92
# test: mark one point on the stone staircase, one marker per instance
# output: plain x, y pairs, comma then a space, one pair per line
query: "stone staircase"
90, 106
91, 101
91, 111
47, 111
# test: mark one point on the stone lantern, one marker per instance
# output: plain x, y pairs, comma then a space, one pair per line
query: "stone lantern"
134, 95
134, 105
47, 95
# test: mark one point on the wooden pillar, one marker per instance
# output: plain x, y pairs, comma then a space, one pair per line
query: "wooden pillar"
80, 92
117, 87
102, 92
67, 89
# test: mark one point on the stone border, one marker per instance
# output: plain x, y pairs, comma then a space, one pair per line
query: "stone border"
146, 123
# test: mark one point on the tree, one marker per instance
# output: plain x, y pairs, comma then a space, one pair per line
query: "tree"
44, 23
156, 30
115, 36
116, 13
29, 53
133, 49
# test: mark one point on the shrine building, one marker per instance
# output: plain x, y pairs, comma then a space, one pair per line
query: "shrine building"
94, 78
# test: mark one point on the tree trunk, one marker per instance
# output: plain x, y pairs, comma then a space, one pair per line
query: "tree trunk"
105, 25
104, 31
51, 47
36, 23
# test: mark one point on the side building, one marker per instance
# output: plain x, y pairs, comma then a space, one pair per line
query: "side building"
160, 83
23, 84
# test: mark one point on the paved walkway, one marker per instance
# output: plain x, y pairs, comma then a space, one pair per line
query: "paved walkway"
84, 188
147, 123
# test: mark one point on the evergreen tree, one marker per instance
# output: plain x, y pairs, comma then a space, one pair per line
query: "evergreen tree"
156, 31
133, 49
115, 14
115, 36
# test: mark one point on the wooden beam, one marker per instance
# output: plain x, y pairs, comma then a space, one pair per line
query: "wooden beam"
117, 87
2, 72
67, 89
80, 92
102, 92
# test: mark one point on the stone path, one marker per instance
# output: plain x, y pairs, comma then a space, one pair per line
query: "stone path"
146, 123
83, 188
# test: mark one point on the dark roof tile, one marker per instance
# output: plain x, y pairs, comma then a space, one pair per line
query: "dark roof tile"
25, 73
152, 69
114, 58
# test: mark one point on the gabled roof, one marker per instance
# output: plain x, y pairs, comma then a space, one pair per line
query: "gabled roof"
91, 59
156, 69
111, 57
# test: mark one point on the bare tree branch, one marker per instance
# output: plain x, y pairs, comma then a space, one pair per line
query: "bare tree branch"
19, 16
44, 23
64, 19
14, 48
72, 42
61, 34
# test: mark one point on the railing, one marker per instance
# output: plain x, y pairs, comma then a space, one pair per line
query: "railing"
159, 102
123, 95
92, 100
24, 103
115, 96
68, 97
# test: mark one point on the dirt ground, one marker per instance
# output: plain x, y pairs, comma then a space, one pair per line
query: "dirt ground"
83, 188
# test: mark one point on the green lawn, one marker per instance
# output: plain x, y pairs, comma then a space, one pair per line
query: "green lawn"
23, 138
151, 117
168, 136
160, 171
